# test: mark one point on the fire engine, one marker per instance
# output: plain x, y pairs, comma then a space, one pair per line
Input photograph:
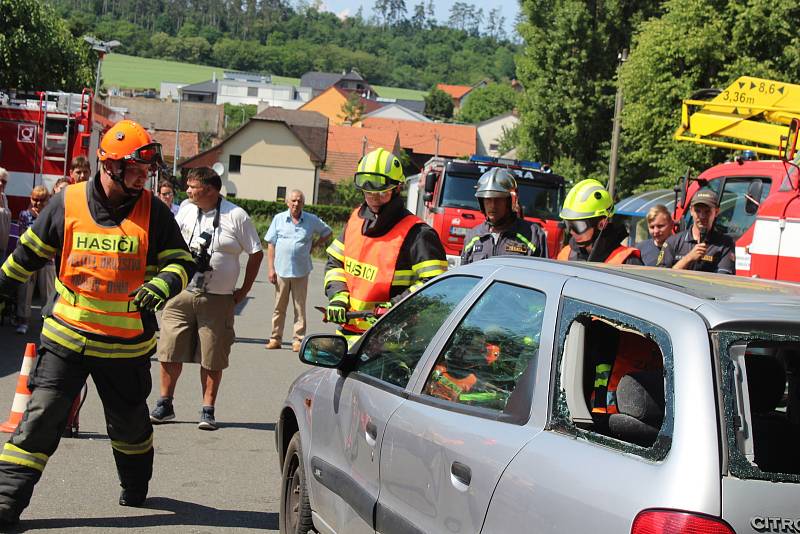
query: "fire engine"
759, 199
448, 202
40, 134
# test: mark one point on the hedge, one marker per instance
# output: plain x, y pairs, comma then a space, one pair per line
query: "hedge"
266, 208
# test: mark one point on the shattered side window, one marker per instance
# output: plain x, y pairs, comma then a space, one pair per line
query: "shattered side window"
761, 388
613, 380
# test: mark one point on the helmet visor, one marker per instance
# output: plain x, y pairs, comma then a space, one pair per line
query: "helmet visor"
581, 225
149, 154
374, 183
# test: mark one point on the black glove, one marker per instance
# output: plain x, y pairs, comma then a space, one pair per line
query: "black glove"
336, 312
151, 296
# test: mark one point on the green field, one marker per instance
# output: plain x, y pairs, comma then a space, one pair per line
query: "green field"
133, 72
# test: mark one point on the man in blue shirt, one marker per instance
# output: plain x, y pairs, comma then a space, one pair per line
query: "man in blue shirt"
290, 237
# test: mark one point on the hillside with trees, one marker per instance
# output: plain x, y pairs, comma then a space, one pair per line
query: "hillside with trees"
569, 66
392, 45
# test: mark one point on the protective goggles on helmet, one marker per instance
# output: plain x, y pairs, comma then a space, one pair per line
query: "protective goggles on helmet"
149, 154
373, 182
581, 225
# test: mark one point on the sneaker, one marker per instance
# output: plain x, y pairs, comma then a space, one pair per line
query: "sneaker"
273, 344
22, 328
163, 411
207, 421
296, 345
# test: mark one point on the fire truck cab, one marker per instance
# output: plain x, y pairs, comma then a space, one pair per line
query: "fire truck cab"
40, 133
759, 200
450, 207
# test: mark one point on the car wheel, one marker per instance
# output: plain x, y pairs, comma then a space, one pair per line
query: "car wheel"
295, 516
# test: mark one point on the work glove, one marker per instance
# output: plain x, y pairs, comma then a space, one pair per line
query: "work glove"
336, 312
151, 296
381, 309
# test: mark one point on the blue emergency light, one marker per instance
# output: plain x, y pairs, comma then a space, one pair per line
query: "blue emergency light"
525, 164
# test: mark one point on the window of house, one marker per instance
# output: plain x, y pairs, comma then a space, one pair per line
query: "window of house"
490, 351
394, 346
281, 194
234, 163
611, 379
252, 91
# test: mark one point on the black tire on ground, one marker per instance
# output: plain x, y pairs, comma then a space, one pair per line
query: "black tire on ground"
295, 511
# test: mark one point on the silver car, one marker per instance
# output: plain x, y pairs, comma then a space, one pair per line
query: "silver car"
524, 395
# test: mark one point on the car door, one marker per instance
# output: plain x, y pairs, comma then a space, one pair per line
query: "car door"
446, 447
350, 412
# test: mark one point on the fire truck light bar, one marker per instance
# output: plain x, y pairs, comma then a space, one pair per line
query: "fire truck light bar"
525, 164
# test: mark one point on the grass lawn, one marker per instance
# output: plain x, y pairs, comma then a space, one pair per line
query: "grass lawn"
133, 72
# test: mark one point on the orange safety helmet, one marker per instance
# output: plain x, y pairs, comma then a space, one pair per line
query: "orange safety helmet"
128, 140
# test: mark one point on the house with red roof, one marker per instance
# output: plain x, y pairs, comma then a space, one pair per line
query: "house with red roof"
460, 93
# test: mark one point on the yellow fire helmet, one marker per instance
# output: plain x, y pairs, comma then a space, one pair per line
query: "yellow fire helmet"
586, 200
378, 171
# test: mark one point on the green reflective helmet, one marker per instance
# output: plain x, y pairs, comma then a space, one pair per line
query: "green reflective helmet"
586, 200
379, 171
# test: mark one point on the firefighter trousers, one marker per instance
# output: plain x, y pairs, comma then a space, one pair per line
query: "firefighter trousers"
123, 386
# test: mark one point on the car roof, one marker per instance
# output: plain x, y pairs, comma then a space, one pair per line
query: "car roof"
719, 298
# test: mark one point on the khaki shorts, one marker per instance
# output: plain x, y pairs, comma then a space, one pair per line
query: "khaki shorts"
197, 328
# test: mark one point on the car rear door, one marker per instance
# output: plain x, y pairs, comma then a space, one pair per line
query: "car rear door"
446, 447
350, 412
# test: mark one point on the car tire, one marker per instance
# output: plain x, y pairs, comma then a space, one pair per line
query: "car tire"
295, 511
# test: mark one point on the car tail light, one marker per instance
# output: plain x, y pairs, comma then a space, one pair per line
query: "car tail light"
675, 522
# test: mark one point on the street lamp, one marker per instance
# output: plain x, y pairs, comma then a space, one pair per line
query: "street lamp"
103, 48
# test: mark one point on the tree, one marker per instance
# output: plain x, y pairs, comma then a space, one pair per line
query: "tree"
418, 19
667, 64
353, 108
487, 102
438, 104
568, 70
37, 51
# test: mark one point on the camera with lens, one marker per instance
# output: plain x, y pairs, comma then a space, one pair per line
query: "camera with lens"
201, 256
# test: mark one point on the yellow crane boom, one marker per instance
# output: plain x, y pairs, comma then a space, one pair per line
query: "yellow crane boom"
752, 113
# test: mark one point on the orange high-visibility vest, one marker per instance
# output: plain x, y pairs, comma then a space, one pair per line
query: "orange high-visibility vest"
100, 266
618, 256
370, 262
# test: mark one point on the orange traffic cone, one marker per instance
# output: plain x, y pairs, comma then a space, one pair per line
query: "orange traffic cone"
23, 393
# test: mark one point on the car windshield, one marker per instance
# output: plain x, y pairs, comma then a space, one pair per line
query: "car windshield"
538, 200
762, 393
733, 219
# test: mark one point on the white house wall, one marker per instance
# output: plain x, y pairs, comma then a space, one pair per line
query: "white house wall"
490, 132
271, 157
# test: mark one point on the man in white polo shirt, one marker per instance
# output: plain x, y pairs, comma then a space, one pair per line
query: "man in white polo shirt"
197, 325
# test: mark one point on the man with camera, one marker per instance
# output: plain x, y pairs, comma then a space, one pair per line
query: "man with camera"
197, 325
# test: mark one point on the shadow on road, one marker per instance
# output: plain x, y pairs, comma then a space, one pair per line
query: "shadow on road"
182, 514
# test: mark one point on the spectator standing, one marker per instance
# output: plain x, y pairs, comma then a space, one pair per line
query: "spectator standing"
291, 236
44, 278
197, 325
5, 214
166, 192
60, 184
701, 247
660, 225
79, 170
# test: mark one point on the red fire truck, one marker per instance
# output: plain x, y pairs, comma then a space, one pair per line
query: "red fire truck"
40, 133
759, 199
449, 205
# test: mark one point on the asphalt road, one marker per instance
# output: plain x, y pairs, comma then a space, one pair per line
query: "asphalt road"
203, 482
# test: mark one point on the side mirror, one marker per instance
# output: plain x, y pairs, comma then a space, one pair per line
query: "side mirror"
430, 183
323, 350
794, 133
753, 196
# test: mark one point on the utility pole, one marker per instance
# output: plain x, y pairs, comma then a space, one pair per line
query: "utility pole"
612, 164
177, 137
436, 155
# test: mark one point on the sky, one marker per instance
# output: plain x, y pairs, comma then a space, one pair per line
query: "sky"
509, 8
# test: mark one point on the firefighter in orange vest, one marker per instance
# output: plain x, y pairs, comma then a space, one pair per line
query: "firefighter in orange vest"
594, 236
384, 251
120, 257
